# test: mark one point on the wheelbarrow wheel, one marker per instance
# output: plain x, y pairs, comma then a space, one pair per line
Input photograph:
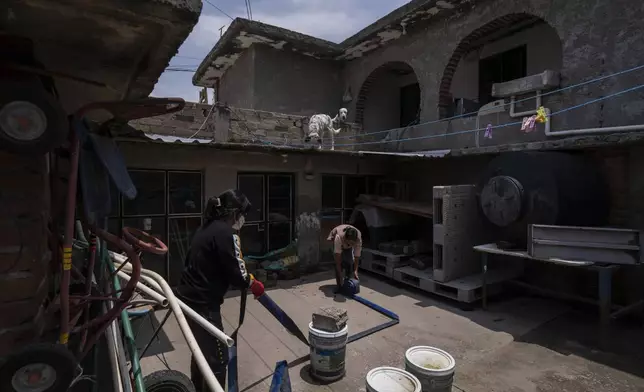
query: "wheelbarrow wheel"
31, 120
168, 381
39, 368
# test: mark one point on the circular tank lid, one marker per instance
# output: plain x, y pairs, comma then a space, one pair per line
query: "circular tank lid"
502, 200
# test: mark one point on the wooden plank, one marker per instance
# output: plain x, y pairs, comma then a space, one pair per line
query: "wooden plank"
389, 258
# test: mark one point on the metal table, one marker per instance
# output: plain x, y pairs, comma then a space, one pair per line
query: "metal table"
605, 276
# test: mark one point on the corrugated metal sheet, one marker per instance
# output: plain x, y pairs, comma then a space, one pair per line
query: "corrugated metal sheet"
285, 148
177, 139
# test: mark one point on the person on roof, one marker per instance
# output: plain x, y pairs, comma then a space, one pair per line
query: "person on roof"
213, 264
347, 248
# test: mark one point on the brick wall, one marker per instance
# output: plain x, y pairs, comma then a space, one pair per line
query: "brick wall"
258, 127
185, 123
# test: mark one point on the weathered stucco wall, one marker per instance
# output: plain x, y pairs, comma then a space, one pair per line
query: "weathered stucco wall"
288, 82
596, 39
237, 86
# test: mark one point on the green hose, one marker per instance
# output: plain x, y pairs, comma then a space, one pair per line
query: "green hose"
128, 334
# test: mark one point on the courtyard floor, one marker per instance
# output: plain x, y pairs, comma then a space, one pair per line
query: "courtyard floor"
520, 344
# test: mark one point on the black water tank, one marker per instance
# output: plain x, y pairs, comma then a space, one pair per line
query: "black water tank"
521, 188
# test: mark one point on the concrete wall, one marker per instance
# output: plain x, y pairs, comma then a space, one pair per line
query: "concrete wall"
543, 52
220, 168
237, 86
288, 82
595, 40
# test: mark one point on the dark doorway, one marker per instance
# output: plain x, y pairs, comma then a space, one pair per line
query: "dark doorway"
269, 225
501, 68
409, 104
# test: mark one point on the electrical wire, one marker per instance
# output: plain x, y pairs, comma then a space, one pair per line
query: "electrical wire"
219, 9
581, 84
638, 87
506, 124
204, 121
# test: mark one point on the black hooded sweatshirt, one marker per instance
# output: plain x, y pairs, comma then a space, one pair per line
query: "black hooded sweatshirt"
213, 264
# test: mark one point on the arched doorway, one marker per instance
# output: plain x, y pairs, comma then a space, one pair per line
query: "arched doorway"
389, 98
509, 47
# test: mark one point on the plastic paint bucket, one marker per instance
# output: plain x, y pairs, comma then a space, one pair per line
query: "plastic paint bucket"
390, 379
432, 366
328, 353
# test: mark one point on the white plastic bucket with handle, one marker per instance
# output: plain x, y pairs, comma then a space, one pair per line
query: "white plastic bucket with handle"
328, 353
390, 379
432, 366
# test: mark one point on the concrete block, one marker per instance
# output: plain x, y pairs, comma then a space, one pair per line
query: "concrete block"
330, 319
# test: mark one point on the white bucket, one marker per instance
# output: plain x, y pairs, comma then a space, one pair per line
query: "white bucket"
433, 367
328, 353
390, 379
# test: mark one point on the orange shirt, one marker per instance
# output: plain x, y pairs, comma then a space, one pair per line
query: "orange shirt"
340, 244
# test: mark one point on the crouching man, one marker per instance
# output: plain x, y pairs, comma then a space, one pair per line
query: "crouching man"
347, 247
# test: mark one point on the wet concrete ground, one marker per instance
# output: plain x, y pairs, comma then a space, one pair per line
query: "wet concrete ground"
520, 344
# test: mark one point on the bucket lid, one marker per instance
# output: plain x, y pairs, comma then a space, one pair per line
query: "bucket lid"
430, 360
392, 380
326, 334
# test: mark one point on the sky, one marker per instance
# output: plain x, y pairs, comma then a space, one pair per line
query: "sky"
333, 20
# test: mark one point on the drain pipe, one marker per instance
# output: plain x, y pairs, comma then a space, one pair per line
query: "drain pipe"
207, 373
590, 131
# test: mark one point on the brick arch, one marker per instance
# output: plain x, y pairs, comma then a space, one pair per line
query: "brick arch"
371, 79
468, 44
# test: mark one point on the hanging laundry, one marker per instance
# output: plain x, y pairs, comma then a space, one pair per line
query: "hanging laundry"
542, 117
528, 123
488, 132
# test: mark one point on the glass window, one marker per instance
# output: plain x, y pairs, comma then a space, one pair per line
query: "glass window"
150, 198
252, 185
279, 198
154, 226
354, 186
253, 239
279, 235
331, 192
184, 190
181, 231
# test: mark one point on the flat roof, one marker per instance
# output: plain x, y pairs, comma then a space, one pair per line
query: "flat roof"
243, 33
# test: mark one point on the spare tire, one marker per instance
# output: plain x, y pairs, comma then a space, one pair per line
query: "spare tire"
522, 188
168, 381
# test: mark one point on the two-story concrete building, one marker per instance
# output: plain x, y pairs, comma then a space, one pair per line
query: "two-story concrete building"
435, 91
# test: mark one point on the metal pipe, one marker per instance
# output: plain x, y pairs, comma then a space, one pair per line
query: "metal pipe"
214, 331
128, 335
113, 356
585, 131
103, 321
65, 277
198, 356
88, 286
161, 300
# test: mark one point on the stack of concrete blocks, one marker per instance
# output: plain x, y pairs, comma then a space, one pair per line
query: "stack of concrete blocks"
457, 228
330, 319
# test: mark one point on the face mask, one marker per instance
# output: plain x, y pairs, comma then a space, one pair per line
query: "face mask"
240, 222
